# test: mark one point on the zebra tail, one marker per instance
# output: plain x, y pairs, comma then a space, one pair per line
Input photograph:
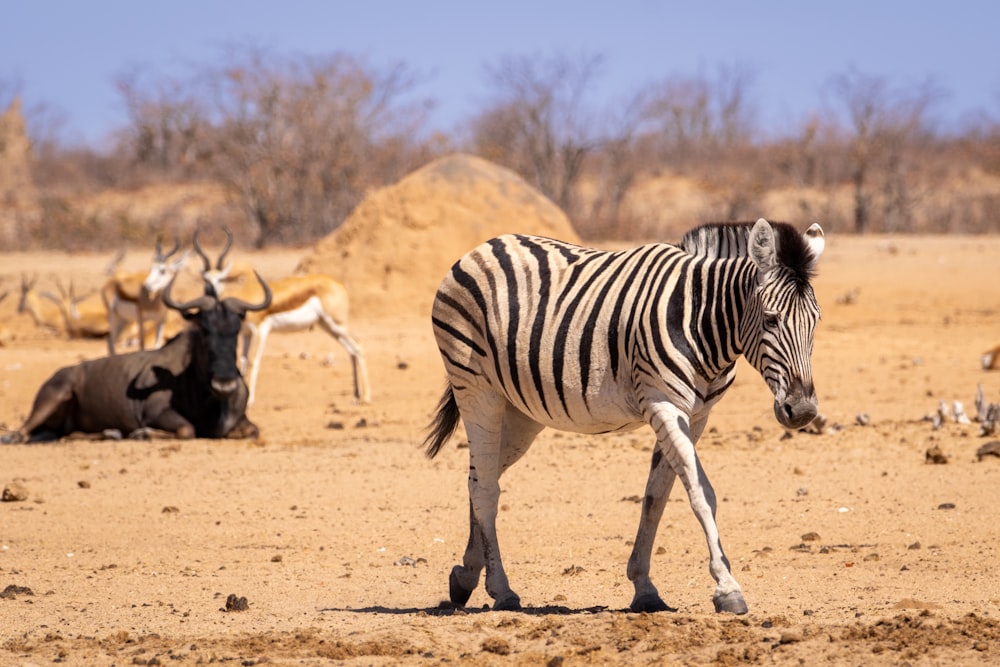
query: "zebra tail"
445, 422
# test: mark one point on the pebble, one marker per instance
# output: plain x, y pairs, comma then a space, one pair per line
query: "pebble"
14, 492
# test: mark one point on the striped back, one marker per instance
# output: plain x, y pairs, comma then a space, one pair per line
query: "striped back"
572, 336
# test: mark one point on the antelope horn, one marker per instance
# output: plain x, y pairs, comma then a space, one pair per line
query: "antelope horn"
62, 289
112, 266
206, 262
234, 304
225, 250
203, 302
160, 257
177, 246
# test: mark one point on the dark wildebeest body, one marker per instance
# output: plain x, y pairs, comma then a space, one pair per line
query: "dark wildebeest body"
190, 387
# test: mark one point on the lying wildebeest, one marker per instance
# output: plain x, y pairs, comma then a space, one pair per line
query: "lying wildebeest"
190, 387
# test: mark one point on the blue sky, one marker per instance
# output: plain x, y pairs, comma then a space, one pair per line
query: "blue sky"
66, 54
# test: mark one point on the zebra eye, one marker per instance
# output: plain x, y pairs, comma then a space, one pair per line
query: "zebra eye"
771, 319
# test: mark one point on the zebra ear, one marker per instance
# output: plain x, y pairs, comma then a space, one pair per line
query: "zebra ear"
762, 247
815, 240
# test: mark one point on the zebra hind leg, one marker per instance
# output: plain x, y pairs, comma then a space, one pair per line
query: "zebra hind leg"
661, 481
465, 577
487, 463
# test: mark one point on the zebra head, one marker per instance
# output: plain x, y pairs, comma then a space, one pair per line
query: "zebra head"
781, 317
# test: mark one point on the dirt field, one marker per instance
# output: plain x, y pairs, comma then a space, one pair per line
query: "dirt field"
850, 546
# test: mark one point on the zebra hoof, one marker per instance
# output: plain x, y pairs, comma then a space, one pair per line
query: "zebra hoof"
509, 603
459, 594
732, 602
649, 603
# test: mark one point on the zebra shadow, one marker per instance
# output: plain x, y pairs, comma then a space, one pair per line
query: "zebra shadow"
447, 609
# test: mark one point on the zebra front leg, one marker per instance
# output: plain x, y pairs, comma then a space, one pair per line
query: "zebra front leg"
678, 444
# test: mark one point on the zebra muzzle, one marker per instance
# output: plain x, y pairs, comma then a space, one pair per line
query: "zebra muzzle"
797, 408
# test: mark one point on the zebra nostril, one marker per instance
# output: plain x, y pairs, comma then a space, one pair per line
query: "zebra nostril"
788, 411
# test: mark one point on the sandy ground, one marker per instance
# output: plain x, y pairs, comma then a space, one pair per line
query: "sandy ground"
340, 534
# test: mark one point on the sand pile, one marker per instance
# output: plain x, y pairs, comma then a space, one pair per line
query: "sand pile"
395, 247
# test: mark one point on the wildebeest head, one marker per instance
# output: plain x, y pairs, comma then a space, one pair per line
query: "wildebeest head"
219, 322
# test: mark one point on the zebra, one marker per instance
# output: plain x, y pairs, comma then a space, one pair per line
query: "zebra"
535, 332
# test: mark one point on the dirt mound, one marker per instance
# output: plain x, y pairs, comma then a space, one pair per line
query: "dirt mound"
17, 189
395, 247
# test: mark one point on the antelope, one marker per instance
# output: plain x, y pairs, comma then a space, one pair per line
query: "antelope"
298, 302
189, 388
5, 335
85, 316
45, 315
136, 297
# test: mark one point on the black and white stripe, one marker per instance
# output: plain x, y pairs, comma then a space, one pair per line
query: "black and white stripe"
536, 332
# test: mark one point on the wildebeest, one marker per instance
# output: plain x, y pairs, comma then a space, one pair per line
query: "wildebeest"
299, 303
191, 387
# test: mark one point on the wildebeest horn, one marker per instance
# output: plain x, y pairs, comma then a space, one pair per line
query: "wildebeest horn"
232, 303
203, 302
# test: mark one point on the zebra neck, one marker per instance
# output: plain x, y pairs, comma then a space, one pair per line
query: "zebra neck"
720, 314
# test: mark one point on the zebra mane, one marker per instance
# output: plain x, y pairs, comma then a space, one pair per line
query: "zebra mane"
729, 239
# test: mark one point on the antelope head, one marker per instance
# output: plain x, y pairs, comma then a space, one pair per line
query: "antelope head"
217, 275
163, 268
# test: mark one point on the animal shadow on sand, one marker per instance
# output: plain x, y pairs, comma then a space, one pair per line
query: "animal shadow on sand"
448, 609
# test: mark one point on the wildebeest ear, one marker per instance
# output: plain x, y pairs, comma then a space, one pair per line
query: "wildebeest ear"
762, 246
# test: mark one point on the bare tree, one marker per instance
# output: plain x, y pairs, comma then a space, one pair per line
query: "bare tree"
888, 127
168, 123
296, 140
704, 126
301, 140
696, 119
618, 163
539, 123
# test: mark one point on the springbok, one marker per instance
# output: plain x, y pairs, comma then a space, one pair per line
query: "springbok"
45, 315
136, 297
5, 334
189, 388
83, 316
298, 303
